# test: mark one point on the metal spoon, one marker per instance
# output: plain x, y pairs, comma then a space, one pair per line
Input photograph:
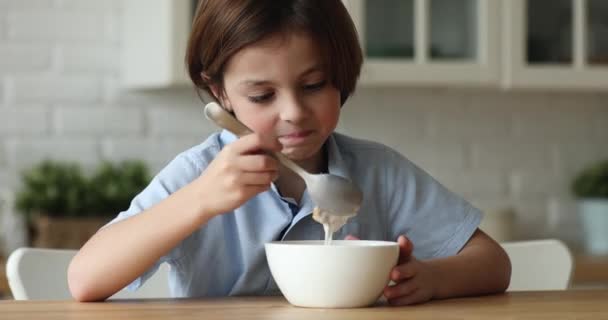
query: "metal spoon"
335, 194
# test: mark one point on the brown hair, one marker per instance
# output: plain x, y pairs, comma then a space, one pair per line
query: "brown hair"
223, 27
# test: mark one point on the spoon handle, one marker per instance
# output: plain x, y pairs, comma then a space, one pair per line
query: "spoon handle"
224, 119
293, 166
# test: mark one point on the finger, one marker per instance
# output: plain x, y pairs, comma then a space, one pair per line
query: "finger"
258, 163
255, 143
257, 178
400, 289
414, 297
402, 272
405, 249
252, 190
351, 237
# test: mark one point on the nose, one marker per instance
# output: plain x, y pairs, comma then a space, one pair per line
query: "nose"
293, 109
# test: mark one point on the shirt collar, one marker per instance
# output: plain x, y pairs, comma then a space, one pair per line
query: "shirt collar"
335, 165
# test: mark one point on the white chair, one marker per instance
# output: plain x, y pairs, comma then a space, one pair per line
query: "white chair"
539, 265
41, 274
12, 225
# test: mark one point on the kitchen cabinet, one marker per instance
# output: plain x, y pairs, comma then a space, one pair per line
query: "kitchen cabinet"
154, 43
513, 44
555, 44
428, 42
415, 42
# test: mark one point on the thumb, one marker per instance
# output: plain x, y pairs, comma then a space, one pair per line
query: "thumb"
406, 247
351, 237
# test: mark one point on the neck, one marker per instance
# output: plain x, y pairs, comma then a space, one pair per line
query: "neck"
317, 163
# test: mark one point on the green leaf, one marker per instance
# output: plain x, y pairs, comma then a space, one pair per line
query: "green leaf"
60, 189
592, 182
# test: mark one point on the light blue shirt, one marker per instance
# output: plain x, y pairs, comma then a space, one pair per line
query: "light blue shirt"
226, 256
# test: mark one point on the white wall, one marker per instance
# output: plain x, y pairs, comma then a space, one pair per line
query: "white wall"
60, 97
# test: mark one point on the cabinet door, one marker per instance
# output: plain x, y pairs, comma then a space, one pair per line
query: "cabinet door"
556, 44
597, 33
154, 43
428, 42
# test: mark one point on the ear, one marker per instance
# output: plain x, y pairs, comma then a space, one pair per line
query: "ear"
220, 97
215, 90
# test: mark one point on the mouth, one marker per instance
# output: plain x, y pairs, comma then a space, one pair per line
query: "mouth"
294, 138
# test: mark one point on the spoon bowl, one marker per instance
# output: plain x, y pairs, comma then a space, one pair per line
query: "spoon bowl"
333, 194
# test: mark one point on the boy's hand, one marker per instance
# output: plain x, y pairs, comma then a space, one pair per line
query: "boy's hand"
240, 171
414, 280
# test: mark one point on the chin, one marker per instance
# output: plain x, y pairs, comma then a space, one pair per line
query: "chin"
295, 155
300, 154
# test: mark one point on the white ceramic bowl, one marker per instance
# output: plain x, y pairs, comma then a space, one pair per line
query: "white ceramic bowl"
345, 274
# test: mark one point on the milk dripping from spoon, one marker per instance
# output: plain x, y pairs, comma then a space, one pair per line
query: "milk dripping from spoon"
336, 198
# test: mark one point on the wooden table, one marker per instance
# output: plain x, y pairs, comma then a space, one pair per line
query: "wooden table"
4, 289
590, 270
573, 304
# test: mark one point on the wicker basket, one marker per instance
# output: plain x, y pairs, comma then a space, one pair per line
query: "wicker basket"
64, 233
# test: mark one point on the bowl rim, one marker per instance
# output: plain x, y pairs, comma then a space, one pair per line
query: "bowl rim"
335, 243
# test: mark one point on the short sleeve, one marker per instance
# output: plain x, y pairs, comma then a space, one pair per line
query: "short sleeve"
436, 220
177, 174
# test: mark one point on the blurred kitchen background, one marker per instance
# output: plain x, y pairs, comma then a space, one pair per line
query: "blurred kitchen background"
503, 101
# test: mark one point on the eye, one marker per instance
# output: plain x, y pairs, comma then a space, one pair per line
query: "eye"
314, 86
261, 98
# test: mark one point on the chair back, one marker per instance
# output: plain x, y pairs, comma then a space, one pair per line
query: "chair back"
41, 274
12, 225
539, 265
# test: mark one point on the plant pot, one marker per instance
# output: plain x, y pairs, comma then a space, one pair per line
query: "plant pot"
64, 232
594, 219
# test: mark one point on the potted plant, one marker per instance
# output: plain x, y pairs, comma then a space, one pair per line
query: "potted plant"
590, 186
114, 185
64, 208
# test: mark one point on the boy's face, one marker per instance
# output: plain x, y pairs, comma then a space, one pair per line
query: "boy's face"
278, 87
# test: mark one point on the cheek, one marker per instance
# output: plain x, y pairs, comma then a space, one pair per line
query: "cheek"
259, 122
330, 118
249, 114
329, 111
263, 126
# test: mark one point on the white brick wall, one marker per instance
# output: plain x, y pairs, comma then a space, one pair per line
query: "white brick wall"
3, 163
562, 117
60, 97
98, 121
573, 155
156, 151
3, 90
55, 88
108, 6
25, 4
465, 117
526, 183
395, 129
25, 58
177, 121
3, 27
24, 152
55, 26
87, 59
509, 153
474, 183
24, 121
